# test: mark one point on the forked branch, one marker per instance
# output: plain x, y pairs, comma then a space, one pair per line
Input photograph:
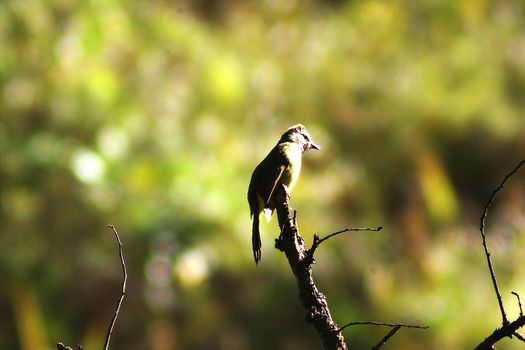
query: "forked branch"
314, 302
300, 259
508, 329
317, 241
395, 327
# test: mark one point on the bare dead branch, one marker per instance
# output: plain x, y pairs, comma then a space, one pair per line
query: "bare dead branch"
372, 323
317, 241
484, 240
314, 302
519, 301
519, 336
508, 329
395, 327
125, 279
386, 337
61, 346
505, 331
300, 259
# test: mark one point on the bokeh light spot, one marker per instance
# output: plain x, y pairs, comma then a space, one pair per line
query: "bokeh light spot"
192, 268
88, 166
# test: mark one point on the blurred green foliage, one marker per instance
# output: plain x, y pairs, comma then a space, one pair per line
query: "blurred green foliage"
151, 115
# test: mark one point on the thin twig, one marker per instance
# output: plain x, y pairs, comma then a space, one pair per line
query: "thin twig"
317, 241
484, 240
117, 310
519, 302
382, 324
386, 337
519, 336
321, 240
395, 327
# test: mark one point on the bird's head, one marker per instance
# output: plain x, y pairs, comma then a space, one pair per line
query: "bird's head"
299, 135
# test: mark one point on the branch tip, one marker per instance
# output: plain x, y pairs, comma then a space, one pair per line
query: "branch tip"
519, 302
373, 323
123, 293
509, 329
505, 321
317, 241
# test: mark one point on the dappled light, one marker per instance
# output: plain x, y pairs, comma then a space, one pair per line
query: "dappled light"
152, 115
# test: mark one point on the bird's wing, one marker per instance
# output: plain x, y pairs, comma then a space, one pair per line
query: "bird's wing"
265, 179
276, 181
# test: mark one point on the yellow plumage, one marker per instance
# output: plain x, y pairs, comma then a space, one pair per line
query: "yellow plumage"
281, 166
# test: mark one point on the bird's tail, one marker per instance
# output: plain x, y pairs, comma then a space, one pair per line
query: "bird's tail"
256, 239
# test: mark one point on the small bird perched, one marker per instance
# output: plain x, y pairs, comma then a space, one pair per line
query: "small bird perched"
280, 167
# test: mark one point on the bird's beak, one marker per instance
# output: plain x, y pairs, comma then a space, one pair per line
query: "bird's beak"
314, 146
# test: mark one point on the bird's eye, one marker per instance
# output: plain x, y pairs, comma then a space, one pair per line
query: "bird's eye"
306, 137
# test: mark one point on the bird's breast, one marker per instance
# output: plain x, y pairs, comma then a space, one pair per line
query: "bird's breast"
294, 154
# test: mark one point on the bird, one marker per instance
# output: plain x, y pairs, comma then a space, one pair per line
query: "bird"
280, 167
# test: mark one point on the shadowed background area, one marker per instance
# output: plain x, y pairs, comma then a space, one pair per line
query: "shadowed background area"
151, 115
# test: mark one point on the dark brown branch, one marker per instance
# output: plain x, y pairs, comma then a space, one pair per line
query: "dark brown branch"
61, 346
372, 323
314, 302
519, 336
484, 240
124, 272
317, 241
505, 331
519, 302
395, 327
508, 329
386, 337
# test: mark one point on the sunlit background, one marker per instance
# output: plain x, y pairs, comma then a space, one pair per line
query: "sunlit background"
150, 115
